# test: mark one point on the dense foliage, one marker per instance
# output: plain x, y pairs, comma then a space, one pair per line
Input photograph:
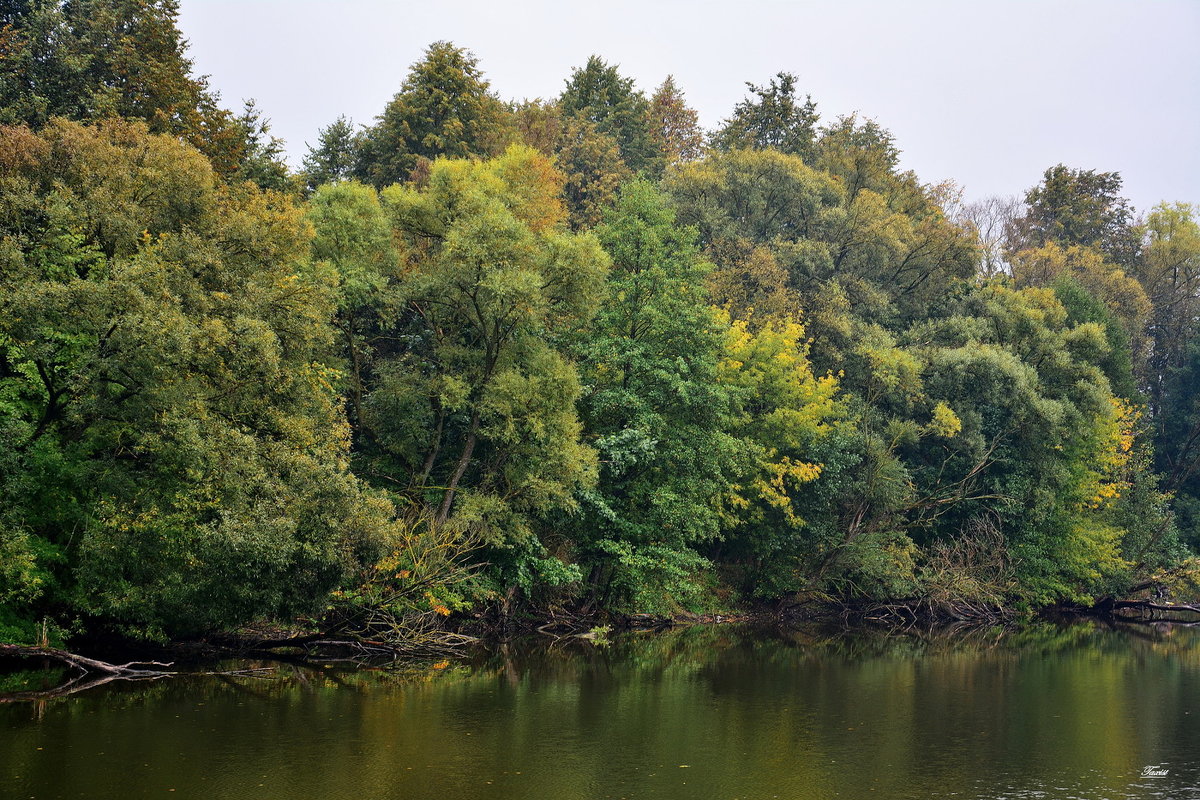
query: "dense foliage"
618, 363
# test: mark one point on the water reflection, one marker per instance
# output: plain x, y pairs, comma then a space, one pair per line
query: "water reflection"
1052, 711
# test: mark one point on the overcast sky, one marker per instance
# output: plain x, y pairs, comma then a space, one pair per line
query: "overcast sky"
988, 94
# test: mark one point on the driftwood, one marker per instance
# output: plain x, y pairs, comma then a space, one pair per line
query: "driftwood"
134, 669
1150, 611
376, 647
1152, 606
92, 672
384, 642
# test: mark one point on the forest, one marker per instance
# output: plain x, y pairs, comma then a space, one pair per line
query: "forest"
570, 355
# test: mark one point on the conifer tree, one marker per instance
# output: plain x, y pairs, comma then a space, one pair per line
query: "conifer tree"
444, 108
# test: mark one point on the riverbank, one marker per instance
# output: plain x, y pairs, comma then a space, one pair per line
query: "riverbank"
738, 710
100, 659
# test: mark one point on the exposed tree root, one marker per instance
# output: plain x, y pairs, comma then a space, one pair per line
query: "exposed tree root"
912, 612
379, 645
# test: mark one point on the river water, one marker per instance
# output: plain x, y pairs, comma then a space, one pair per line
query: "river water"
1052, 711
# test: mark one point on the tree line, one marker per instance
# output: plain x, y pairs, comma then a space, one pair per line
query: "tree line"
570, 353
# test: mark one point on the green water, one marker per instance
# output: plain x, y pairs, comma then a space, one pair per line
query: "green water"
1072, 712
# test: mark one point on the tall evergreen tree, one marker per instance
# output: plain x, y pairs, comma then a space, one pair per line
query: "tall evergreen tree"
772, 117
262, 161
444, 108
591, 161
1080, 207
598, 93
335, 155
674, 127
92, 59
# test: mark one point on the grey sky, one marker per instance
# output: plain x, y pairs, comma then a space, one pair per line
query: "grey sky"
988, 94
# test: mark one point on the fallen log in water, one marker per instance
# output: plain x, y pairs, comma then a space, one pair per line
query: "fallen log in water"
1150, 611
134, 669
1152, 606
1145, 611
92, 672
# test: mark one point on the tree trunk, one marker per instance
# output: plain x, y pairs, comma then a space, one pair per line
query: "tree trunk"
463, 462
431, 459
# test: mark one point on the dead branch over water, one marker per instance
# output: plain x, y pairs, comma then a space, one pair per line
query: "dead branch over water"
91, 672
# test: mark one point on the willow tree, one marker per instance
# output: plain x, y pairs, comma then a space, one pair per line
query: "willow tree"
175, 453
474, 407
882, 259
1044, 446
354, 239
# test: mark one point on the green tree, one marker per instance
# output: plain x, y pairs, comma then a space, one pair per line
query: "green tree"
474, 407
1122, 295
654, 410
1080, 207
790, 423
444, 108
262, 161
773, 117
180, 453
1177, 439
354, 238
674, 127
914, 257
762, 196
1082, 306
1044, 445
599, 94
591, 162
891, 263
1170, 274
751, 284
862, 155
538, 124
334, 157
92, 59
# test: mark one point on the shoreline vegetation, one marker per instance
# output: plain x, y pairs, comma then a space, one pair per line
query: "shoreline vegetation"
261, 651
556, 365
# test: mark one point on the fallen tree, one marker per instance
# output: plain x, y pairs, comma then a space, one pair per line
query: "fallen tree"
92, 672
1149, 610
133, 669
89, 672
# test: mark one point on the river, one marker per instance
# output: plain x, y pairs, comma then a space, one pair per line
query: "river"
1051, 711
